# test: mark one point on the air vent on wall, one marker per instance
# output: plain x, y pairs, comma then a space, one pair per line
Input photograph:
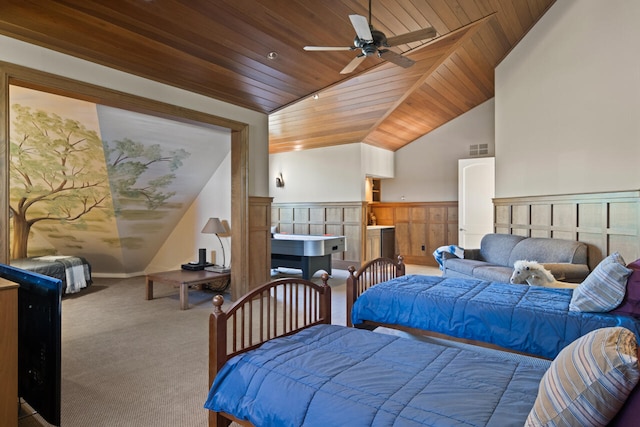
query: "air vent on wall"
476, 150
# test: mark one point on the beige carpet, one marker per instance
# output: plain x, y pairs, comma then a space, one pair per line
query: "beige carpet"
131, 362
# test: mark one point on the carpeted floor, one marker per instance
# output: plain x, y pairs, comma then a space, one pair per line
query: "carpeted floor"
127, 361
131, 362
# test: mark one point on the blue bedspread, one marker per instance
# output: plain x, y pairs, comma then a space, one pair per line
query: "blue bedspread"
330, 375
530, 319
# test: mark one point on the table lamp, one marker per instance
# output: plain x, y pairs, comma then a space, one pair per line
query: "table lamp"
214, 226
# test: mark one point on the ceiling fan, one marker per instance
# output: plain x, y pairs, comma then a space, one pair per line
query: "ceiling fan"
373, 42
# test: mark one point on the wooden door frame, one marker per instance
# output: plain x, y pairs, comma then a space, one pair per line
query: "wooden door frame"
38, 80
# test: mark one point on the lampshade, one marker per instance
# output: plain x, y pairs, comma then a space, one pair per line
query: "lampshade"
214, 226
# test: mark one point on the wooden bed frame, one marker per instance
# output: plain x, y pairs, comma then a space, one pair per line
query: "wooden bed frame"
373, 272
278, 308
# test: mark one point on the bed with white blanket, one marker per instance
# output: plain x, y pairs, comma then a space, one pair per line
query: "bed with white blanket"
74, 271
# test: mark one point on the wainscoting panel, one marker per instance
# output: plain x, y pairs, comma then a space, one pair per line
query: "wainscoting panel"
607, 222
260, 237
420, 227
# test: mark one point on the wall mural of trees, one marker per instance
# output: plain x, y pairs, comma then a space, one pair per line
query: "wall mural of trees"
57, 173
74, 193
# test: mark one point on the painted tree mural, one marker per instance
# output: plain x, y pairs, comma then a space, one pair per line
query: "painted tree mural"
57, 173
61, 171
129, 161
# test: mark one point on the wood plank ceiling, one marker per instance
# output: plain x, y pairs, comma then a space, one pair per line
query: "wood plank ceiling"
219, 49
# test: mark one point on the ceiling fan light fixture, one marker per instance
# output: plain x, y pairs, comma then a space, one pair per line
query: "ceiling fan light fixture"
370, 41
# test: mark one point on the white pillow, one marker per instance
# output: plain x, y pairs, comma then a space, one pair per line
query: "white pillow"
604, 288
589, 380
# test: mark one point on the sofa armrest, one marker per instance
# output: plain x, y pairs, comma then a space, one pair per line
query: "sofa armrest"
472, 254
448, 255
567, 272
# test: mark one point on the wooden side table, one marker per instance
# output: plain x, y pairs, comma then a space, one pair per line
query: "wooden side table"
184, 279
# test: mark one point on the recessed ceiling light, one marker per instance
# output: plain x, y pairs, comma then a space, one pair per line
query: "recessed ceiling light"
272, 55
316, 96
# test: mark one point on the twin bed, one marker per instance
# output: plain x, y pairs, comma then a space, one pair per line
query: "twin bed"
309, 372
528, 319
73, 271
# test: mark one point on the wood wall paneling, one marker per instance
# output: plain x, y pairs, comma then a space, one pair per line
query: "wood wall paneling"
355, 235
351, 214
502, 215
286, 215
403, 244
335, 215
301, 228
420, 227
384, 215
607, 222
452, 225
9, 353
259, 240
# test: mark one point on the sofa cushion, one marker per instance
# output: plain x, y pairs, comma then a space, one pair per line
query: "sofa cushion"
567, 272
496, 248
546, 250
493, 273
464, 266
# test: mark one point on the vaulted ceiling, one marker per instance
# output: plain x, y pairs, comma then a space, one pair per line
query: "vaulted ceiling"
220, 49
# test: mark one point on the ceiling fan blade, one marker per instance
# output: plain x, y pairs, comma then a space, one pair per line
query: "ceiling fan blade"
413, 36
396, 58
323, 48
353, 64
361, 26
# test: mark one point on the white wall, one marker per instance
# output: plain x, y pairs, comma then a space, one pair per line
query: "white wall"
377, 162
332, 174
568, 102
426, 170
186, 238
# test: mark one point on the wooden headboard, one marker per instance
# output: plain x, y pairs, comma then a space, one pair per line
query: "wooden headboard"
370, 274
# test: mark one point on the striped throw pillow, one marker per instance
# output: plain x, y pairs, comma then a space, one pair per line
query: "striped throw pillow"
589, 380
604, 288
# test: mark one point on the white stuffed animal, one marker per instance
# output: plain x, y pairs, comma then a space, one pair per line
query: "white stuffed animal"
534, 274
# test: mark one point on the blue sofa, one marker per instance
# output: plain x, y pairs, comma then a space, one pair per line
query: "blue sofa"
493, 261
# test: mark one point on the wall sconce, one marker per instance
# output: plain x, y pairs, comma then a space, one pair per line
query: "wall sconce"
279, 180
214, 226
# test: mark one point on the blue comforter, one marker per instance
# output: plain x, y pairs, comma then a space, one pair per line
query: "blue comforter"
529, 319
331, 375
